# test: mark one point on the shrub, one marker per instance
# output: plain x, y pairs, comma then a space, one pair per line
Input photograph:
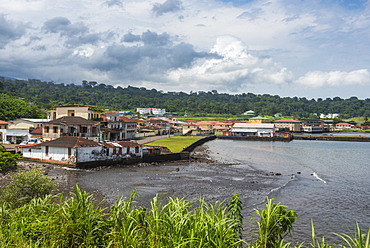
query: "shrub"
7, 159
26, 185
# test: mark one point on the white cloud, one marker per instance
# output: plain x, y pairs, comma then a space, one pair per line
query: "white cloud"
167, 44
233, 72
317, 79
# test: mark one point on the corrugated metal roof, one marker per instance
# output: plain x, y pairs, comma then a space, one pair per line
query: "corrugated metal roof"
71, 142
71, 120
254, 125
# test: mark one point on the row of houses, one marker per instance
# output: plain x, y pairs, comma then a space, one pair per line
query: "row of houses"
91, 123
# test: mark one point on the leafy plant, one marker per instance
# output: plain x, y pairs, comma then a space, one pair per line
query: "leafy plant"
359, 240
275, 223
318, 244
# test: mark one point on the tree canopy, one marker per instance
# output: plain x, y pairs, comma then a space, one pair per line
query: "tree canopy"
12, 108
49, 94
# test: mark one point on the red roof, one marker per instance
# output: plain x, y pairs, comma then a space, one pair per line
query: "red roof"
125, 119
37, 131
71, 120
112, 112
343, 124
287, 120
71, 142
30, 145
3, 122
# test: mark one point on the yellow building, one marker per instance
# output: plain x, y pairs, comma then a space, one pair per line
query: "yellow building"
86, 112
259, 119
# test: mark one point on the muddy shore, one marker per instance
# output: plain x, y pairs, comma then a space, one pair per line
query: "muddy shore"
199, 177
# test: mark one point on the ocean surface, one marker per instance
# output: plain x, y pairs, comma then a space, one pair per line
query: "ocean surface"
326, 182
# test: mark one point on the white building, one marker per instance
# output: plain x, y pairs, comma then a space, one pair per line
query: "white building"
158, 112
253, 129
74, 150
329, 116
143, 111
154, 111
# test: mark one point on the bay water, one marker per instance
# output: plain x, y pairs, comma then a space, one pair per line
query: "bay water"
326, 182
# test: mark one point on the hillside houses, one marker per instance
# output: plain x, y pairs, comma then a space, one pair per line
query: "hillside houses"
71, 126
93, 123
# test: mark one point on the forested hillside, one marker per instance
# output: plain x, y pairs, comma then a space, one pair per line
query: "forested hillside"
49, 94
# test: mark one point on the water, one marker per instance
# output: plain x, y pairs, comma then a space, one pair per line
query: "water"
323, 181
329, 180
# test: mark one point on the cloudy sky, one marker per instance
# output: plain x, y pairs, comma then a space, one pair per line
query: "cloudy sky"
305, 48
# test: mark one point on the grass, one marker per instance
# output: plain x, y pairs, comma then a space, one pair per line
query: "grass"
176, 143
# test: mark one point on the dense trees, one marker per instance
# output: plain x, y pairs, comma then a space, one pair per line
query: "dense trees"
12, 108
49, 94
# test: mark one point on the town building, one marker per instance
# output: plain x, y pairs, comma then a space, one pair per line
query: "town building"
3, 129
253, 129
76, 150
259, 119
288, 125
343, 126
154, 111
87, 112
164, 125
71, 126
312, 125
19, 130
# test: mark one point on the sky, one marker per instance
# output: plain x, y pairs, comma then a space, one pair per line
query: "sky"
304, 48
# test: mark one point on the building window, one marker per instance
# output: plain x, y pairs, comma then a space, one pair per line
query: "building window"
120, 150
83, 129
55, 129
46, 129
136, 149
69, 152
46, 150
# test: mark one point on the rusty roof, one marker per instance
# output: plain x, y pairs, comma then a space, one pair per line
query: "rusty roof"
71, 120
70, 142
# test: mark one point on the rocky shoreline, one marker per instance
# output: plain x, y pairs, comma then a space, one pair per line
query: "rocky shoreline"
67, 177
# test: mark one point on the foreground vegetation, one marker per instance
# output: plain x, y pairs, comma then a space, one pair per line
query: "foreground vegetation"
176, 143
46, 220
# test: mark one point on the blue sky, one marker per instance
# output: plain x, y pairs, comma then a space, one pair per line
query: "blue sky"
305, 48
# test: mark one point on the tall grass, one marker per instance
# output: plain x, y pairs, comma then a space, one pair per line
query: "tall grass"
53, 221
78, 221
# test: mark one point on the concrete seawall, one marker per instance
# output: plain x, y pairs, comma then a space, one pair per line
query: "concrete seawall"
254, 138
334, 138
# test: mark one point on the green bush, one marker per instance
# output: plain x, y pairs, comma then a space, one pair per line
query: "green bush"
7, 159
26, 185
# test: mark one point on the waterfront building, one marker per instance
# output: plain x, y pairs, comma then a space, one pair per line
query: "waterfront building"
288, 125
253, 129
